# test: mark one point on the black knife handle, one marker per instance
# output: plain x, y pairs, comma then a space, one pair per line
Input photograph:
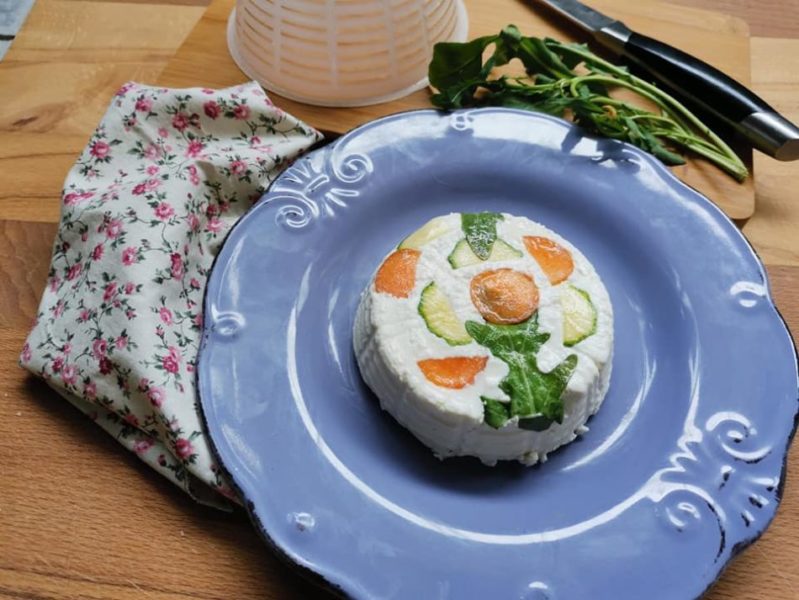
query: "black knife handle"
699, 81
711, 90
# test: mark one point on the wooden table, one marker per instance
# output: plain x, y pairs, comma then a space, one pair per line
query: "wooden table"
82, 518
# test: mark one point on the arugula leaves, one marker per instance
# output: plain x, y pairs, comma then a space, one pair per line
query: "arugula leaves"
535, 396
480, 230
568, 80
460, 65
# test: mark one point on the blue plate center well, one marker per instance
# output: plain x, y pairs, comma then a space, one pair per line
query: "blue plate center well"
646, 407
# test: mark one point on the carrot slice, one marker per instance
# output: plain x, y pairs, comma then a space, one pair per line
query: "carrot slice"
554, 259
454, 373
504, 296
397, 275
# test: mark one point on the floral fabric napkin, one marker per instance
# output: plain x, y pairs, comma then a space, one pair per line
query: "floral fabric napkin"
144, 212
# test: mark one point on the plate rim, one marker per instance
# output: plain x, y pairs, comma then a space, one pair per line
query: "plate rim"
318, 578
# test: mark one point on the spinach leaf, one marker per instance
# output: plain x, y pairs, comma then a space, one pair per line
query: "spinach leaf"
480, 230
535, 396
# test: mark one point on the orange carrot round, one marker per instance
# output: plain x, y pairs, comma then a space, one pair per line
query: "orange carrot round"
504, 296
397, 275
455, 373
554, 259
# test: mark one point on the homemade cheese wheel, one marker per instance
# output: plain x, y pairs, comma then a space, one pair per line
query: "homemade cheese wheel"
486, 335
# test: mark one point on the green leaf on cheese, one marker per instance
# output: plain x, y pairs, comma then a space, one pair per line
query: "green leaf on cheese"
480, 230
532, 392
496, 413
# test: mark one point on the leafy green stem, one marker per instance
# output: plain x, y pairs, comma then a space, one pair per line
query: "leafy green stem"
677, 110
552, 85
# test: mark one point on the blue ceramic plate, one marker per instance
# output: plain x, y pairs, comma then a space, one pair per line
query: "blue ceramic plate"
682, 467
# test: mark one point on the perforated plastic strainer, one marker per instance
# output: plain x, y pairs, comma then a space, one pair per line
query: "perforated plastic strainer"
341, 52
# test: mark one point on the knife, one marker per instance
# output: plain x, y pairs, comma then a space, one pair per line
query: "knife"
709, 88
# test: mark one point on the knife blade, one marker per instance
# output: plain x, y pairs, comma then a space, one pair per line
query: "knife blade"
715, 92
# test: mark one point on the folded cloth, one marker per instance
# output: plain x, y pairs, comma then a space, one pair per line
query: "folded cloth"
144, 212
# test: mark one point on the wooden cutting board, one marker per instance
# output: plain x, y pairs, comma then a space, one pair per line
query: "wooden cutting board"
203, 60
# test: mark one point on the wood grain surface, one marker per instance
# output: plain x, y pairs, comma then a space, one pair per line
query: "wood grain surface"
82, 518
718, 38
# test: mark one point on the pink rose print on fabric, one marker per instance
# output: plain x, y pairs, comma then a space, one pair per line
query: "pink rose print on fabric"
69, 375
194, 149
184, 448
166, 315
156, 396
212, 109
194, 177
143, 214
99, 348
113, 229
129, 256
152, 152
164, 211
144, 104
171, 362
180, 121
214, 225
74, 271
105, 366
73, 198
99, 149
176, 265
110, 291
142, 446
237, 167
125, 88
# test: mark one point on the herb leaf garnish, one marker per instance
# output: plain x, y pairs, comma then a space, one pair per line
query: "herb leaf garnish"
480, 230
569, 80
535, 396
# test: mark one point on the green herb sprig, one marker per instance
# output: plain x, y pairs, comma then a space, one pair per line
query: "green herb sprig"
553, 86
480, 230
535, 396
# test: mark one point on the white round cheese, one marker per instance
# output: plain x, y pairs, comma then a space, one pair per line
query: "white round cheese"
487, 335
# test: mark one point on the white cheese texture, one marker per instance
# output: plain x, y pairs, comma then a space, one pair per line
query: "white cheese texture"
391, 337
